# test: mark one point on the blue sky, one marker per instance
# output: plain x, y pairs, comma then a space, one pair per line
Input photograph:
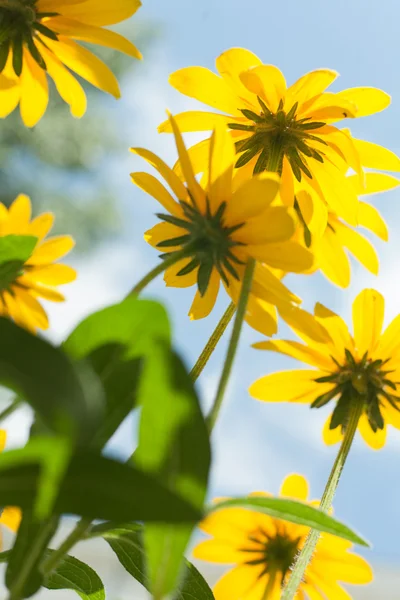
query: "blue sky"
256, 445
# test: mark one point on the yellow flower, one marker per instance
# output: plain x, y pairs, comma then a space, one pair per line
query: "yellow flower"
23, 283
222, 225
10, 516
363, 367
38, 38
286, 129
331, 246
262, 550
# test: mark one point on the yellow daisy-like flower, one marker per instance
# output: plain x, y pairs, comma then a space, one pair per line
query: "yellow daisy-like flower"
262, 550
222, 225
289, 130
38, 38
332, 245
10, 516
360, 368
22, 283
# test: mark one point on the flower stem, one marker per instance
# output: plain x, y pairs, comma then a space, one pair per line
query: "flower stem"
307, 551
57, 555
233, 343
213, 341
160, 268
11, 408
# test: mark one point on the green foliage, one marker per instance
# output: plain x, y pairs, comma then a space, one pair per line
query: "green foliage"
73, 574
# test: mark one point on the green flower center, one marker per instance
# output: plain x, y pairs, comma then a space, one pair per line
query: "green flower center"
275, 135
208, 243
276, 553
365, 381
19, 24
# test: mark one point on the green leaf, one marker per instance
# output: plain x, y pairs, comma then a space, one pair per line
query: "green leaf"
95, 487
68, 400
174, 446
16, 248
73, 574
23, 575
295, 512
127, 543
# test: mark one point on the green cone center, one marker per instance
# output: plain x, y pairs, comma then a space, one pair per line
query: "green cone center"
276, 553
276, 135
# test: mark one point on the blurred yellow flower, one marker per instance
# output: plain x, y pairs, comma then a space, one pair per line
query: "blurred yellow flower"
10, 516
262, 550
222, 225
360, 368
38, 38
289, 130
332, 245
23, 283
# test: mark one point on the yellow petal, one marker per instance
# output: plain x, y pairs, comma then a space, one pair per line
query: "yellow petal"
163, 231
231, 63
331, 436
261, 316
332, 259
3, 439
186, 166
336, 191
220, 168
34, 91
289, 386
266, 278
9, 96
198, 156
239, 582
203, 85
217, 551
95, 35
389, 343
299, 352
12, 309
51, 250
374, 156
311, 592
288, 256
343, 144
168, 174
374, 440
295, 486
304, 324
287, 183
345, 566
55, 274
267, 82
95, 12
155, 188
337, 329
31, 309
368, 100
195, 120
359, 246
368, 314
328, 107
374, 183
252, 198
203, 305
172, 279
85, 64
67, 86
11, 517
19, 214
314, 212
273, 225
38, 290
311, 84
232, 525
329, 588
41, 225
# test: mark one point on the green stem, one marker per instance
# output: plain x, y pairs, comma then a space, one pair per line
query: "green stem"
57, 555
274, 158
160, 268
213, 341
10, 409
308, 549
270, 585
233, 342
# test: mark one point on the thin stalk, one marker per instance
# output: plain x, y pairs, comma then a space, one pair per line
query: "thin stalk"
274, 158
11, 408
213, 341
57, 555
307, 551
270, 585
160, 268
233, 342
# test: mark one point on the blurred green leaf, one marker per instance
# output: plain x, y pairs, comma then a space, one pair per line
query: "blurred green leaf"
127, 543
174, 446
95, 487
295, 512
23, 576
68, 400
16, 248
73, 574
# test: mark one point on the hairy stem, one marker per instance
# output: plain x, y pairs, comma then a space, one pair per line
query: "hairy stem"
307, 551
233, 342
160, 268
57, 555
